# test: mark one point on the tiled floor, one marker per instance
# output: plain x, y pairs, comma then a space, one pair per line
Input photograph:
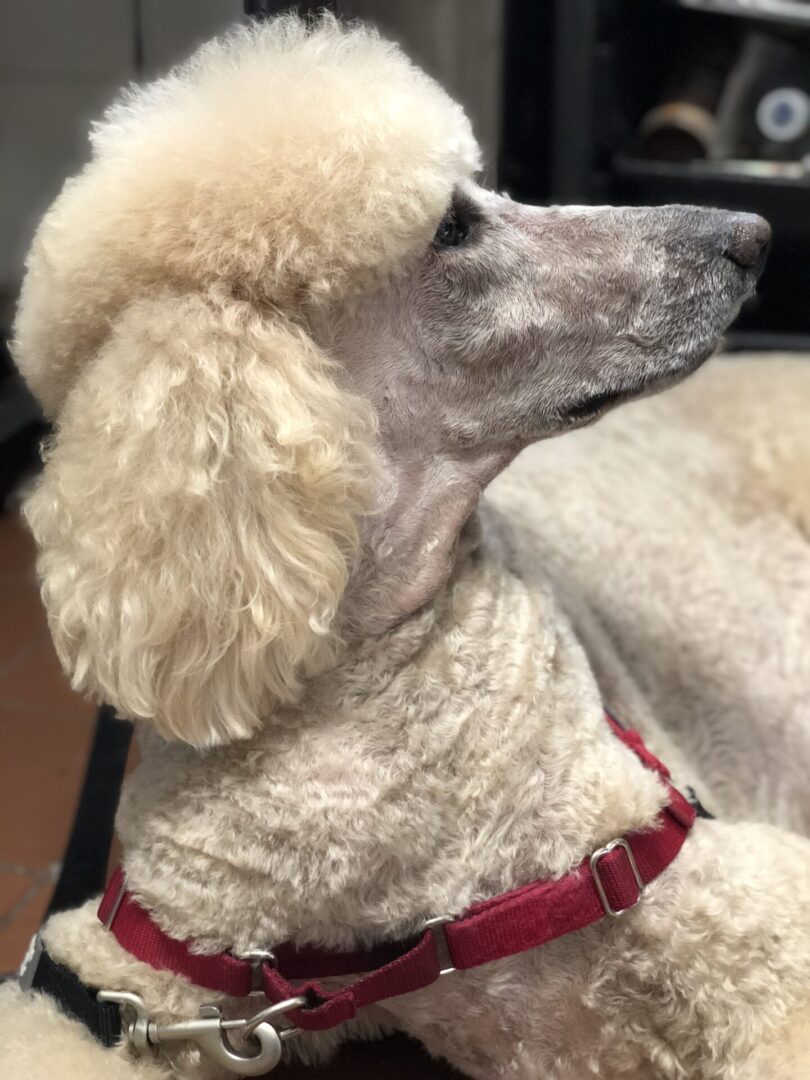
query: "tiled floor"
45, 733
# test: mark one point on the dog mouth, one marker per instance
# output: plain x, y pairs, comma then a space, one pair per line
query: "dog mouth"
676, 360
595, 404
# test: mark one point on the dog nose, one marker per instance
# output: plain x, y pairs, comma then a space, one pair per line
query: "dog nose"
747, 240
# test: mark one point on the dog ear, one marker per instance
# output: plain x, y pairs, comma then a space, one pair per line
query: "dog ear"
197, 516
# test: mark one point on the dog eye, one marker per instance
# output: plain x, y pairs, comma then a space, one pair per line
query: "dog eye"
452, 231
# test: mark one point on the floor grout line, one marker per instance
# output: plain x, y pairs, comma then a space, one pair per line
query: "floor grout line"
40, 880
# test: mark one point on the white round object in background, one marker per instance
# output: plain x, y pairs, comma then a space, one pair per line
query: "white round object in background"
783, 115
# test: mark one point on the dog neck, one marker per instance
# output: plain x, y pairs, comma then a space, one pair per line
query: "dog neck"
426, 520
459, 755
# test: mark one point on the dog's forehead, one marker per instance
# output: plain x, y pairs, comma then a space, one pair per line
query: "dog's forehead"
287, 146
282, 163
298, 141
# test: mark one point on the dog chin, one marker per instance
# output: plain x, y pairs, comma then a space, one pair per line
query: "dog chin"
592, 407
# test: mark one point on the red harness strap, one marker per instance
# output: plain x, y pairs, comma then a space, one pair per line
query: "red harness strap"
605, 883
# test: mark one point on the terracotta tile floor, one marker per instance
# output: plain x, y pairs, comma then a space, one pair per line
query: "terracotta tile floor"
45, 733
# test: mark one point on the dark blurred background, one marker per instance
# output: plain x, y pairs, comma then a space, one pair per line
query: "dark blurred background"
695, 101
577, 101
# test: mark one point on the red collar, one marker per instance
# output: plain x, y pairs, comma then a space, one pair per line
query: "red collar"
607, 882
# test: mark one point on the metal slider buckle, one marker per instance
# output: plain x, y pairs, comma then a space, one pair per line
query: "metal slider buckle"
257, 958
597, 878
28, 968
210, 1032
119, 896
437, 925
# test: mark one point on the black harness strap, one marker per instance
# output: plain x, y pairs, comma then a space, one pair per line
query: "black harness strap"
83, 875
84, 867
102, 1019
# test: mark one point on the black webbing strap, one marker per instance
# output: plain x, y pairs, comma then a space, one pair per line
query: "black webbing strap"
699, 808
84, 873
84, 869
102, 1019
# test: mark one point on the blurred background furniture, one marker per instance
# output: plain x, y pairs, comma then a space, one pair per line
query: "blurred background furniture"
691, 101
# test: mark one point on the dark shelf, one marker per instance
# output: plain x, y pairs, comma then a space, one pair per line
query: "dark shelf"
753, 341
785, 12
572, 125
784, 199
775, 175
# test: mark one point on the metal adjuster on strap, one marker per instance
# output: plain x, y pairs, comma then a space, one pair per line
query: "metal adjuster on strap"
257, 958
116, 904
436, 926
597, 877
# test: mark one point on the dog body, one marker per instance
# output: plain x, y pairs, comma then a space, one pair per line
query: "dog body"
466, 753
262, 533
702, 639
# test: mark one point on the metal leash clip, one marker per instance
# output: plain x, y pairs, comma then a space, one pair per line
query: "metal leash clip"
263, 1041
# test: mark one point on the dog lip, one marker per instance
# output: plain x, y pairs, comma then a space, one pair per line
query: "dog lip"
594, 404
592, 407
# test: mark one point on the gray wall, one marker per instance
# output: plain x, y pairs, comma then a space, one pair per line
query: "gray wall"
458, 42
61, 61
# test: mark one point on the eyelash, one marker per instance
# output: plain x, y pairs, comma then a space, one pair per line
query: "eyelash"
454, 228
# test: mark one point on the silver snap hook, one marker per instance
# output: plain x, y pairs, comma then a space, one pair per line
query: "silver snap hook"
209, 1030
213, 1041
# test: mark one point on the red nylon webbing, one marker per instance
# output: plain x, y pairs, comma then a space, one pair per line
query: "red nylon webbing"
140, 935
490, 930
413, 970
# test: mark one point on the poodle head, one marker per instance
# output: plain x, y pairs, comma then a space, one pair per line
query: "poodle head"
275, 300
198, 515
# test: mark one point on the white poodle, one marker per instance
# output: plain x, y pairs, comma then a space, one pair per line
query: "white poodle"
287, 341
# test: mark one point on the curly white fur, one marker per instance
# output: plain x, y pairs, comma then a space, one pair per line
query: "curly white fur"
195, 594
193, 577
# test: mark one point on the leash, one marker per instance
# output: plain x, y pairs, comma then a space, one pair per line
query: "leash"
606, 884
